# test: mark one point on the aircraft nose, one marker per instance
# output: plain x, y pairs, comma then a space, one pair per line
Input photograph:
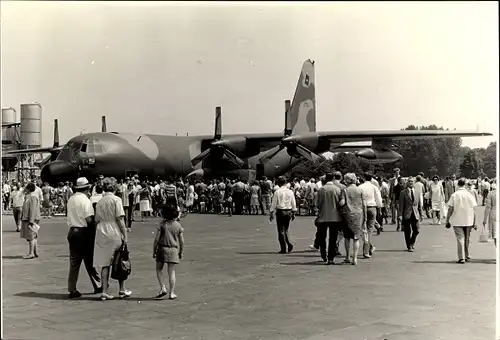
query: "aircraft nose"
58, 171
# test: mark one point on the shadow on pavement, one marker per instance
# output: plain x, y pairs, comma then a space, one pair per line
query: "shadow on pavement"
390, 250
481, 261
258, 253
275, 252
304, 255
84, 297
12, 257
55, 296
311, 263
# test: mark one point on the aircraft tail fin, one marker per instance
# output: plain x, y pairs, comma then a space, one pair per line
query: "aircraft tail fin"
103, 126
218, 123
302, 115
56, 133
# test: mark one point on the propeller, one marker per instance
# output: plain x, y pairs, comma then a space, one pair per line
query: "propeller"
218, 147
291, 143
103, 126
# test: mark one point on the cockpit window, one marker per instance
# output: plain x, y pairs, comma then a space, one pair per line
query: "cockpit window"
91, 146
72, 149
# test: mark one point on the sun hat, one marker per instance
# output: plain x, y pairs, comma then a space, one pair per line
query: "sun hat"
82, 183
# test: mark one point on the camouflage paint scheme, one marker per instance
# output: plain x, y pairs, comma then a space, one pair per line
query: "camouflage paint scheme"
117, 154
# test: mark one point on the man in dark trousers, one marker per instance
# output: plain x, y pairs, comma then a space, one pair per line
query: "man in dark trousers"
284, 204
410, 212
81, 237
329, 218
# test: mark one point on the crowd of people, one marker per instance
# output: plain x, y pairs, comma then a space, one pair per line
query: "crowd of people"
346, 206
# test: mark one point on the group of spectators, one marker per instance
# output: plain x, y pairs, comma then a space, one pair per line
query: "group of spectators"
353, 207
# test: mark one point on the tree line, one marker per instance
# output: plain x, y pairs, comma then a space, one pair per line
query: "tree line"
440, 156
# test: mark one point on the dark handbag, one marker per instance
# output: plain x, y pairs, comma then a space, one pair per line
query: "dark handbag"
344, 209
121, 267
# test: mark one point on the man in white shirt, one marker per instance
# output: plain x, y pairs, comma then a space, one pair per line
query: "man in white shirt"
17, 198
373, 200
310, 195
419, 189
485, 186
81, 235
302, 183
462, 217
6, 189
296, 185
283, 203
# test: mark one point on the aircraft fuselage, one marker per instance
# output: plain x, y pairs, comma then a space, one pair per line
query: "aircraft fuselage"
120, 154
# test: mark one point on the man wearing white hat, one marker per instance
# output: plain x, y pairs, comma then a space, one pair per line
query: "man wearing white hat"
81, 237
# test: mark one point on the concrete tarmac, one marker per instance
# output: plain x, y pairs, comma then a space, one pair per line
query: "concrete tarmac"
232, 284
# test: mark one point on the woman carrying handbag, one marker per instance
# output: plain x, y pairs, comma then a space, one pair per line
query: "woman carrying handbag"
111, 235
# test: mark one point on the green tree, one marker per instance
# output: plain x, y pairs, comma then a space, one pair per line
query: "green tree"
346, 162
436, 156
471, 166
490, 160
307, 168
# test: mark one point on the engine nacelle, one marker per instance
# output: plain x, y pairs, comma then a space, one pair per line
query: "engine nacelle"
240, 146
236, 145
308, 141
379, 155
292, 151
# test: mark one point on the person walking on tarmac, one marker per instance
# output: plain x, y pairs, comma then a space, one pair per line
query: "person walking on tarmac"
283, 203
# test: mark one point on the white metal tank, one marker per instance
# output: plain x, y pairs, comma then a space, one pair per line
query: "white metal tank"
31, 125
9, 116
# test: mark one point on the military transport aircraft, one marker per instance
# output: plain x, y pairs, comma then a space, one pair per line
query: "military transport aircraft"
120, 154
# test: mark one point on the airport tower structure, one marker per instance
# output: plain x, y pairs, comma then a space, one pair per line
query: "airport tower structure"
31, 137
11, 140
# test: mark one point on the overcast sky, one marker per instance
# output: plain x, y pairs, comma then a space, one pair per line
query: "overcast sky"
163, 67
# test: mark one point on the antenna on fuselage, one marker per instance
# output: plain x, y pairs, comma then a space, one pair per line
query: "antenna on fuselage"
103, 126
56, 134
288, 121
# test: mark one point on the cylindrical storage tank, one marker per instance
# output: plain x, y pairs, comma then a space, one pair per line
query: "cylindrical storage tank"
9, 116
31, 125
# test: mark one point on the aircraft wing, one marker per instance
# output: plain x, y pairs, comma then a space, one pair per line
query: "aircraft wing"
378, 137
359, 136
34, 150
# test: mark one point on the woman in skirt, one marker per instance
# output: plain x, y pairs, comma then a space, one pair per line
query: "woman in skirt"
145, 202
168, 248
30, 219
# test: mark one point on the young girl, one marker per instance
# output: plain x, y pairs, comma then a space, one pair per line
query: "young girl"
168, 247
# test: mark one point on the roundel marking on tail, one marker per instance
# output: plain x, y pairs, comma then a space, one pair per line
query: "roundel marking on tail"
306, 81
